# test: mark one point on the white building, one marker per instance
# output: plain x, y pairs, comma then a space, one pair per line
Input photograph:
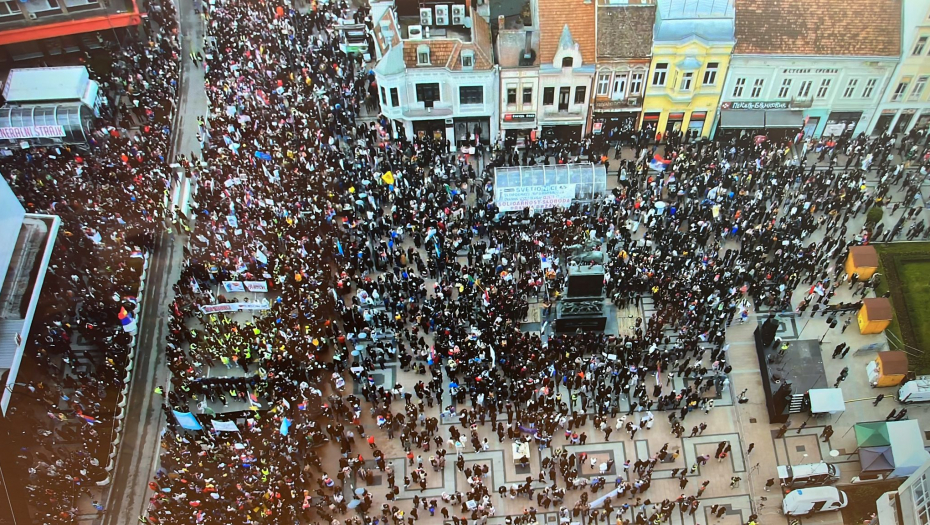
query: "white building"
441, 79
905, 104
518, 58
822, 80
565, 83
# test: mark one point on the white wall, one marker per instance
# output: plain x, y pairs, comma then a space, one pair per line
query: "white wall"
11, 220
838, 70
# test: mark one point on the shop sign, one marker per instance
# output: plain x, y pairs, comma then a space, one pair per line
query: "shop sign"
809, 71
28, 132
508, 117
755, 105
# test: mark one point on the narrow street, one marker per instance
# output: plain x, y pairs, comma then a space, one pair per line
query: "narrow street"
138, 452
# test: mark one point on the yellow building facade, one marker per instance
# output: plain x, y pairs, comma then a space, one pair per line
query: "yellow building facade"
690, 55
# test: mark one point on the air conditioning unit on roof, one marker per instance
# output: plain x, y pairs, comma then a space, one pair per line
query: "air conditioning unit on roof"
442, 15
426, 16
458, 15
415, 33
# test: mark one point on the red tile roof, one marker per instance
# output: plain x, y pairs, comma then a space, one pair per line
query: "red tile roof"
818, 27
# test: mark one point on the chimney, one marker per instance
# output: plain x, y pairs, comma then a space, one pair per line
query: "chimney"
500, 22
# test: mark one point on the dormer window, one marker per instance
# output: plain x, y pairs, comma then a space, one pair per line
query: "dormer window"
422, 55
568, 62
468, 59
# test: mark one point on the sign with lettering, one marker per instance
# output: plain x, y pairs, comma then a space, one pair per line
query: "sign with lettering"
808, 71
31, 132
536, 197
755, 105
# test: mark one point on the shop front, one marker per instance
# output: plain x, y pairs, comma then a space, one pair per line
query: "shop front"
518, 129
615, 126
842, 124
435, 128
469, 130
904, 120
883, 125
696, 124
562, 132
758, 121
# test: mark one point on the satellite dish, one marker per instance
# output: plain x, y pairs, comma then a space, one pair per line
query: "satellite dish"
468, 22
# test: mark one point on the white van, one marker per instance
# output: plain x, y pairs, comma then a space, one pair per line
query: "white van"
810, 475
814, 499
916, 390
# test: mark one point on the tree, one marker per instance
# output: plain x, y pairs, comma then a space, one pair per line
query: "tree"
874, 216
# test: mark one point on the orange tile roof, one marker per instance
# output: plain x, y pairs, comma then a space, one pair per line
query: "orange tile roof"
554, 14
821, 27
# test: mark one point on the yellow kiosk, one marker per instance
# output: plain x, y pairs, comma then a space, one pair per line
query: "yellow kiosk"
874, 316
862, 260
887, 369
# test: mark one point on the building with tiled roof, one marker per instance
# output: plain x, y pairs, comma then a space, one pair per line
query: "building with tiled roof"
440, 80
567, 50
692, 42
808, 69
623, 49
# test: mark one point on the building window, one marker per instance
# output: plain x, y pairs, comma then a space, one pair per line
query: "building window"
428, 92
548, 96
757, 87
824, 88
899, 92
395, 99
636, 83
785, 87
471, 95
568, 62
422, 55
383, 96
710, 74
468, 59
619, 87
850, 88
686, 81
658, 76
918, 88
40, 6
9, 8
738, 88
603, 84
920, 45
805, 89
580, 92
511, 96
869, 88
527, 95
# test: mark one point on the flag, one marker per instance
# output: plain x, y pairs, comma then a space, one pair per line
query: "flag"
339, 247
285, 426
187, 420
253, 399
127, 320
87, 419
302, 406
137, 254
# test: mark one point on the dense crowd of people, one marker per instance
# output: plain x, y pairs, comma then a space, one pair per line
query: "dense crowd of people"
108, 197
375, 250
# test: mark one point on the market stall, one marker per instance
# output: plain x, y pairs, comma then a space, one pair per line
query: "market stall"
887, 369
874, 316
825, 401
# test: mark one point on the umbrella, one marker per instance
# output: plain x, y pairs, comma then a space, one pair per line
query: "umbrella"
360, 491
354, 503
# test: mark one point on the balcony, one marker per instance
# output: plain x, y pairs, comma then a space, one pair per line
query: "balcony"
571, 113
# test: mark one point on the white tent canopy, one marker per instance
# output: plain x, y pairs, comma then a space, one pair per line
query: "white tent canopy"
827, 401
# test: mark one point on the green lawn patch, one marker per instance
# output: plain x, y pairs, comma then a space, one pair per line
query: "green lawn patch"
862, 498
905, 269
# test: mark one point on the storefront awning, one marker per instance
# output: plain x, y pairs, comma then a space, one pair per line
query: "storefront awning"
784, 119
742, 119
